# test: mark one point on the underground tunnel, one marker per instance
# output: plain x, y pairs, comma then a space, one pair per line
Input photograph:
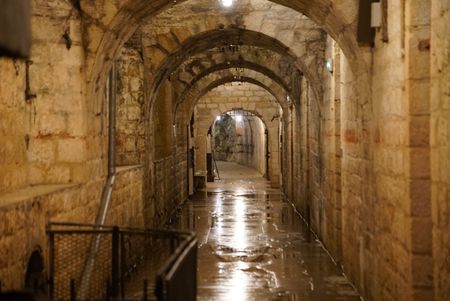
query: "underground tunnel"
225, 150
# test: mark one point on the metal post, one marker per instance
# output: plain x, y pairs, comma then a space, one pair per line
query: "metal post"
108, 290
266, 135
172, 244
72, 290
122, 265
145, 298
115, 262
51, 254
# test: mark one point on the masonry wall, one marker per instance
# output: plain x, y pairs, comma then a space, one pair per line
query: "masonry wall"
440, 144
250, 143
53, 151
25, 213
42, 120
56, 116
306, 145
166, 181
360, 164
258, 156
13, 126
238, 96
130, 128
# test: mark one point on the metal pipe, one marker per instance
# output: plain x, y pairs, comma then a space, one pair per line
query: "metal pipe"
109, 186
107, 189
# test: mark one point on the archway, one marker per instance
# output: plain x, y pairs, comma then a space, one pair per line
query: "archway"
240, 136
216, 102
35, 279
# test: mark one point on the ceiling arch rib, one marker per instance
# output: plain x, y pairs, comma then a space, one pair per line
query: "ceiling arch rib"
227, 108
227, 71
217, 39
108, 30
244, 65
279, 67
195, 92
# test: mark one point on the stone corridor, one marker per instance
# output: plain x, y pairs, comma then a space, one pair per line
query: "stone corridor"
120, 112
254, 246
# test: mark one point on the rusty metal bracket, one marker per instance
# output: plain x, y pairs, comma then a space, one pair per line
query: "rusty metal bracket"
28, 94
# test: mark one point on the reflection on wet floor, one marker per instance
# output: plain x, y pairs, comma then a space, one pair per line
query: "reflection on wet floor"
253, 246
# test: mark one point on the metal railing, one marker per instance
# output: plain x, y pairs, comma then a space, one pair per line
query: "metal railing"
128, 264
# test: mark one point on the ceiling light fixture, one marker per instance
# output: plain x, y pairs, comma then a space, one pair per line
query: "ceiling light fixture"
226, 3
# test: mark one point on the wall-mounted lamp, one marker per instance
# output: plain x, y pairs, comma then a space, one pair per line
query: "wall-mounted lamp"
329, 65
218, 118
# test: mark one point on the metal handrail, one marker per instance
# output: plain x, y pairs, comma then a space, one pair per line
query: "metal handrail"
167, 273
178, 257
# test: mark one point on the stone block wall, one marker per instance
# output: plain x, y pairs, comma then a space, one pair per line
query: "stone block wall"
130, 137
249, 146
55, 116
166, 159
127, 205
440, 145
25, 213
52, 152
256, 145
244, 96
41, 101
14, 126
363, 167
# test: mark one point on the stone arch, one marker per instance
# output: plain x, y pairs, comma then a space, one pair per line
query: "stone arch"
191, 95
265, 171
268, 110
244, 65
169, 60
255, 112
109, 29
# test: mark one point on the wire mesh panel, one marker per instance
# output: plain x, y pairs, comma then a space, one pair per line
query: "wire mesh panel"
89, 262
80, 263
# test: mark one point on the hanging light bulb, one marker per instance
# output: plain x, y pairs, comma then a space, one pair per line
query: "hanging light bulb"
226, 3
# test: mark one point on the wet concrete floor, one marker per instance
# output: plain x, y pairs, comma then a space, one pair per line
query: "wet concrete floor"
253, 245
